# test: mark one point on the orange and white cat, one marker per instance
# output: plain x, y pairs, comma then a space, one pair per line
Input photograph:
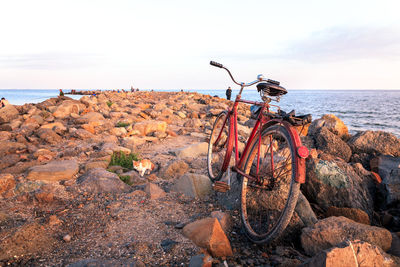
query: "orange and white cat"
142, 166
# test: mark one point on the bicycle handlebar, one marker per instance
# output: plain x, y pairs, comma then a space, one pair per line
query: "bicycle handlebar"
260, 77
216, 64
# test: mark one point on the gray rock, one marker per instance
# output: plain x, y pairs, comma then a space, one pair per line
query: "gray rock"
193, 185
101, 181
389, 170
305, 212
192, 151
335, 183
332, 231
54, 171
375, 142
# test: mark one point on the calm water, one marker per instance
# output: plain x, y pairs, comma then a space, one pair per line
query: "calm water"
360, 110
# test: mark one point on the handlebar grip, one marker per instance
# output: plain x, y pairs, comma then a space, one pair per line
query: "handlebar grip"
216, 64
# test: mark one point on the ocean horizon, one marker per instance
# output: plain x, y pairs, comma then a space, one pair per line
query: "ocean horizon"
360, 110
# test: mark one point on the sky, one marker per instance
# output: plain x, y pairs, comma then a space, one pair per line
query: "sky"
160, 44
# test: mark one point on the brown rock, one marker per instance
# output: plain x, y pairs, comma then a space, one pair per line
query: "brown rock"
332, 123
54, 171
49, 136
7, 182
375, 142
356, 215
353, 253
147, 127
67, 107
53, 220
207, 233
175, 170
44, 197
224, 220
332, 231
153, 191
332, 144
8, 113
8, 147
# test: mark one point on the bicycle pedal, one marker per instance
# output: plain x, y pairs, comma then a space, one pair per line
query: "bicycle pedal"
222, 187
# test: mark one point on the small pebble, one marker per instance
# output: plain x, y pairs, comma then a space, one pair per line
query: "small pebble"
67, 238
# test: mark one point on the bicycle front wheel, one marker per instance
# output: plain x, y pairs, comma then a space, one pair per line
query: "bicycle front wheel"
267, 204
219, 147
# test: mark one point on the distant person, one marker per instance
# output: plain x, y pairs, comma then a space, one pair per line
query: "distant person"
228, 93
61, 92
137, 89
4, 102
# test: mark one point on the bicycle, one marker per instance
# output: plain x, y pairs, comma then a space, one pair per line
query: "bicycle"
271, 166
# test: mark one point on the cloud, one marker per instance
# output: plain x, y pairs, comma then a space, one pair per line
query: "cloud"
50, 61
336, 44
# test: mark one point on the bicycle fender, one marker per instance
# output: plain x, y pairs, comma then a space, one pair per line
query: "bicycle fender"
301, 152
300, 155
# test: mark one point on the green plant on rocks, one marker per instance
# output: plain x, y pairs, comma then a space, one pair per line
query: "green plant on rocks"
125, 179
122, 124
123, 160
109, 103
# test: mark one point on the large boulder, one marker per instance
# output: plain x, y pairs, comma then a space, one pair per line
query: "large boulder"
375, 142
67, 107
332, 123
8, 113
332, 144
207, 233
332, 231
54, 171
193, 185
353, 253
101, 181
388, 168
336, 183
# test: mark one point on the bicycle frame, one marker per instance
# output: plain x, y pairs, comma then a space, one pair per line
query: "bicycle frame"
262, 122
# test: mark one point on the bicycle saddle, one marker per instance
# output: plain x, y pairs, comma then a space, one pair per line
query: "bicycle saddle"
271, 88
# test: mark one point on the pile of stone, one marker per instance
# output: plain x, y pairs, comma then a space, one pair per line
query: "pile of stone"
57, 151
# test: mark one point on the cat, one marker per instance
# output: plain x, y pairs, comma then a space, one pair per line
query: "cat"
142, 166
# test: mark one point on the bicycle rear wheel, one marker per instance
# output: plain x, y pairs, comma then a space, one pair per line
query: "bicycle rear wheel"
267, 205
219, 147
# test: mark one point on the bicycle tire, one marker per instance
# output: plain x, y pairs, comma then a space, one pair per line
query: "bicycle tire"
219, 155
267, 207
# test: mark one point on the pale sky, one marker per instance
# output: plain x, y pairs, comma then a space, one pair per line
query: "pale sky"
164, 44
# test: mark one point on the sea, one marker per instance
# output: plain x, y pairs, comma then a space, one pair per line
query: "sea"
360, 110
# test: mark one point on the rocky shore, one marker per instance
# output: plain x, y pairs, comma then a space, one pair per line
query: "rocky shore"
70, 197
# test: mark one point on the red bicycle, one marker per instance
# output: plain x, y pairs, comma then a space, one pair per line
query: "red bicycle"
271, 165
